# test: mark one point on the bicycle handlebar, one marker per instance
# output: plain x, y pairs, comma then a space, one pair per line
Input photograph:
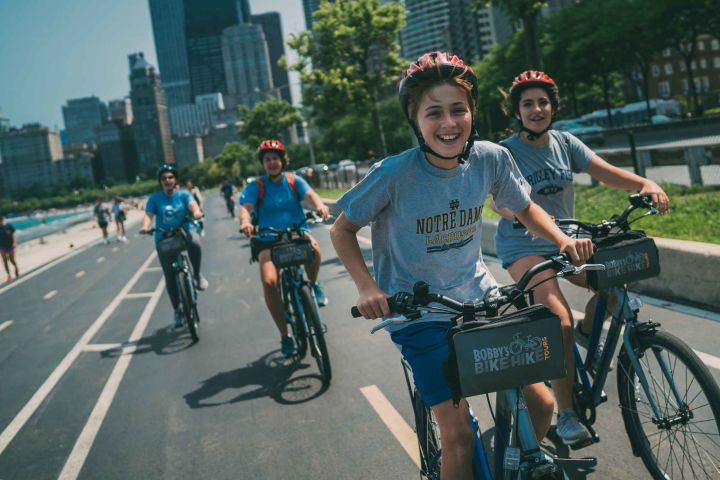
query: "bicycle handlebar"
165, 230
310, 218
406, 304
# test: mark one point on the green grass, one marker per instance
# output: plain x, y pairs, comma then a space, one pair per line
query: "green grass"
330, 193
694, 211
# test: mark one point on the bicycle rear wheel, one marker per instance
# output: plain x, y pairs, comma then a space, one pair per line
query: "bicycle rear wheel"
192, 318
316, 335
428, 434
685, 442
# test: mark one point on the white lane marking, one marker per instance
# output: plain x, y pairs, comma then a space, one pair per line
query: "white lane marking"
709, 360
139, 295
39, 396
393, 421
40, 270
100, 259
82, 447
80, 274
364, 240
50, 294
153, 269
114, 249
5, 324
101, 347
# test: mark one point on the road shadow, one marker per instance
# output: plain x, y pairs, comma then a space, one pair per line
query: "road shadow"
164, 341
272, 374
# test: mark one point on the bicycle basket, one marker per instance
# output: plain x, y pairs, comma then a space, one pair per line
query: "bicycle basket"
171, 246
293, 253
512, 351
628, 257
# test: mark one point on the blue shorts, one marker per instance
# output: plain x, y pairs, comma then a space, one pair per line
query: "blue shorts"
425, 348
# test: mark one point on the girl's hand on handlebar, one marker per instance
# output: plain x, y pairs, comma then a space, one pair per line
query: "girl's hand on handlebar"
579, 249
373, 303
657, 194
324, 212
247, 229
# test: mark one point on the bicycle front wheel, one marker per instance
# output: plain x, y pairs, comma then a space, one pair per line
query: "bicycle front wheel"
428, 434
684, 442
316, 335
189, 309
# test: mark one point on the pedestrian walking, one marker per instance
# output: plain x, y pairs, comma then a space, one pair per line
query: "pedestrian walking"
8, 242
119, 211
102, 215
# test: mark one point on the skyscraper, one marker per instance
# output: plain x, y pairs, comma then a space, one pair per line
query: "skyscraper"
27, 156
272, 28
309, 7
247, 68
81, 116
121, 110
205, 21
150, 122
168, 21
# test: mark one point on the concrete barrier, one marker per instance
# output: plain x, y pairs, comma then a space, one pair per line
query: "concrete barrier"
690, 271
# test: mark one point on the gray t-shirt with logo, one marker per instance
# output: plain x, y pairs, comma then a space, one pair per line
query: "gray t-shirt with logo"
426, 222
549, 172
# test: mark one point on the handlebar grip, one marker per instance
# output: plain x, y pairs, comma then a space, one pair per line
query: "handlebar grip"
355, 312
391, 303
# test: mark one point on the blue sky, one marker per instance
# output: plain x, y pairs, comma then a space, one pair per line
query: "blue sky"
51, 51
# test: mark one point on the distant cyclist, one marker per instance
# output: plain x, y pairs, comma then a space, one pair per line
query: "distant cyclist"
279, 207
227, 191
195, 191
425, 206
547, 159
170, 207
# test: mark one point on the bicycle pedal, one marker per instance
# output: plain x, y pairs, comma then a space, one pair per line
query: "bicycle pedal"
324, 328
581, 444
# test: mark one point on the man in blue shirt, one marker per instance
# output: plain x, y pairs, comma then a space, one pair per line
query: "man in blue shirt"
280, 207
171, 207
227, 192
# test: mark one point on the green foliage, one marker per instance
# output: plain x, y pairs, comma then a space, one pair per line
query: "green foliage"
268, 119
236, 161
76, 197
347, 60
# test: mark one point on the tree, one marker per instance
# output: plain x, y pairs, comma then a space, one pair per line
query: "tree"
268, 119
349, 57
526, 11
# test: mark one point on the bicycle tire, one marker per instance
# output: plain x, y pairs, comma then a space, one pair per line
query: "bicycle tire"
298, 331
428, 435
188, 306
316, 336
695, 432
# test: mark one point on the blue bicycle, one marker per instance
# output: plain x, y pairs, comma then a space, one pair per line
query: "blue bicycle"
517, 452
289, 253
669, 400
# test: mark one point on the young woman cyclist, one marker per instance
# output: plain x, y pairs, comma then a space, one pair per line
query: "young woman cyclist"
280, 207
425, 206
547, 159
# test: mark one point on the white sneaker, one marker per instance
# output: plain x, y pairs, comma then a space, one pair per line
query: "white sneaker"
569, 428
201, 283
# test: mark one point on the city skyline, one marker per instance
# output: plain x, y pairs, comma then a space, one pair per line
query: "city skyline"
61, 55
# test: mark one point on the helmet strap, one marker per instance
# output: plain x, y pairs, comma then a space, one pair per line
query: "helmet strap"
462, 156
532, 135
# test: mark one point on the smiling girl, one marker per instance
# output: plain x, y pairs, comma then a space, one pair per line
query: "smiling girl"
425, 206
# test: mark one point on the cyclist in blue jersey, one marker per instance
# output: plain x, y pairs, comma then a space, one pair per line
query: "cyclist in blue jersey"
547, 160
275, 200
170, 207
425, 210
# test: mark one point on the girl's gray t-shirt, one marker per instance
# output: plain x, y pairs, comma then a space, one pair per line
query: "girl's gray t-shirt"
426, 222
549, 172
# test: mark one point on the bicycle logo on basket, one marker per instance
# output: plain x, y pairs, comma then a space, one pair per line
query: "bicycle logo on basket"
517, 353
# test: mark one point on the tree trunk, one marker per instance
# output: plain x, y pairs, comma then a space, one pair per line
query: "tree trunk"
606, 98
532, 49
379, 129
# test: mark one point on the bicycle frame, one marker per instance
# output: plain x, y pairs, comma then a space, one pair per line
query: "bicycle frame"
625, 314
182, 264
291, 279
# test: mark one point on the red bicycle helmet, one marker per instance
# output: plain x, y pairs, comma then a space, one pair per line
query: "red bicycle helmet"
532, 78
271, 146
436, 66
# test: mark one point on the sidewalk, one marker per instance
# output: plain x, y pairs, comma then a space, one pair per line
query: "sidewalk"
36, 253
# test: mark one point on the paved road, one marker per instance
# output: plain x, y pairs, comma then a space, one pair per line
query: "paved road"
78, 402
